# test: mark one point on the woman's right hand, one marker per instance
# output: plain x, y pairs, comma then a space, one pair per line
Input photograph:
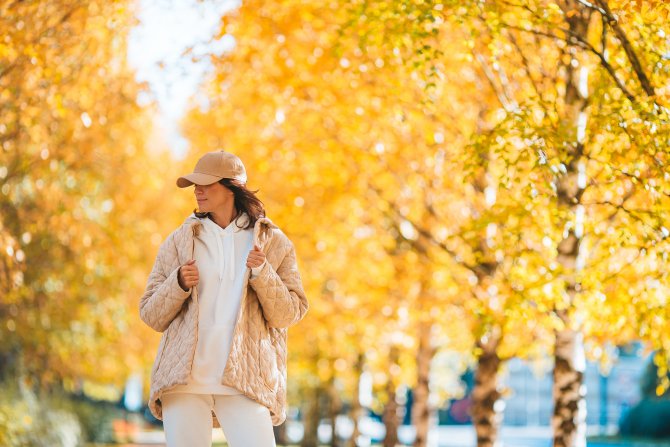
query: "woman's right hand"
188, 275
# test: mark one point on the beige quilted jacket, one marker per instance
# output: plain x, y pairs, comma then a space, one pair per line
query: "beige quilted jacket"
272, 301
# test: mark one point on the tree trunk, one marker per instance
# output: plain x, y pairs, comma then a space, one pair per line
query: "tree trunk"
356, 409
569, 418
280, 434
485, 416
334, 405
390, 416
420, 407
8, 364
311, 419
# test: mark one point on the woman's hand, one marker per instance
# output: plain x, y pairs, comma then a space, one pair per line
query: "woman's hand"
188, 275
256, 257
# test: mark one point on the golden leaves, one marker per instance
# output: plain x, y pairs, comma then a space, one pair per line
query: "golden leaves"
440, 168
72, 139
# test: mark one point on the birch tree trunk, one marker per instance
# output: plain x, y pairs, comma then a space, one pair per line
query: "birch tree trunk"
356, 409
280, 434
569, 418
390, 416
421, 408
311, 419
486, 417
334, 405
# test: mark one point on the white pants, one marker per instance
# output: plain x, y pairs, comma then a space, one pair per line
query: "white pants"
187, 420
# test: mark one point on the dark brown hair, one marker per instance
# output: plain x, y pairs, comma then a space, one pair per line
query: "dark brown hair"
245, 202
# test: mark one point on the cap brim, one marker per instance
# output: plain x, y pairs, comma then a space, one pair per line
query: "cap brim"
197, 179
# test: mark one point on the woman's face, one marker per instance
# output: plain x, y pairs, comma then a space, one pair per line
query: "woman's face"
212, 198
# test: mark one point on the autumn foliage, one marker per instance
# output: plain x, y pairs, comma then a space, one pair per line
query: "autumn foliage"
481, 178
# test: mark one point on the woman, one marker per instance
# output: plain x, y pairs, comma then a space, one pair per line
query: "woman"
223, 291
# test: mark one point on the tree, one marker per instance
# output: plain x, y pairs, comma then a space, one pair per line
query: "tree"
325, 100
79, 190
563, 72
359, 166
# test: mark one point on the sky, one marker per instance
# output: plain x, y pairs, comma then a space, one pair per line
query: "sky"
166, 29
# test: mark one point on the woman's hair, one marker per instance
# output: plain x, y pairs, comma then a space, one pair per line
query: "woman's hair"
245, 201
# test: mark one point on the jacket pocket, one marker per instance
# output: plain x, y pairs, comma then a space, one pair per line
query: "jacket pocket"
268, 362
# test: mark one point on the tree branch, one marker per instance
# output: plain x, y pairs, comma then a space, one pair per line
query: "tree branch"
628, 47
575, 39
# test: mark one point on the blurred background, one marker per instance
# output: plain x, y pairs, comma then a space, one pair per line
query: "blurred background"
478, 192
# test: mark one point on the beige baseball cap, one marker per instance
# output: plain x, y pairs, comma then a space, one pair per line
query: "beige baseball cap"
212, 167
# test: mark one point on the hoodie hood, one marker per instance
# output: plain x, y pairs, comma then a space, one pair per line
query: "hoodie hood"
262, 227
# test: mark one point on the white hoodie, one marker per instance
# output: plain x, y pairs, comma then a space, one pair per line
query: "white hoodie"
221, 256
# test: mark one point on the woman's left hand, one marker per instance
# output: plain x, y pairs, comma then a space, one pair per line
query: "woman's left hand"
256, 257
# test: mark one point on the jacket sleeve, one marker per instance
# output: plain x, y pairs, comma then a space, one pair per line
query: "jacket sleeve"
280, 292
163, 297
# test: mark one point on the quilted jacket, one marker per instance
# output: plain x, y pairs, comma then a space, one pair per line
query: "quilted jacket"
272, 301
